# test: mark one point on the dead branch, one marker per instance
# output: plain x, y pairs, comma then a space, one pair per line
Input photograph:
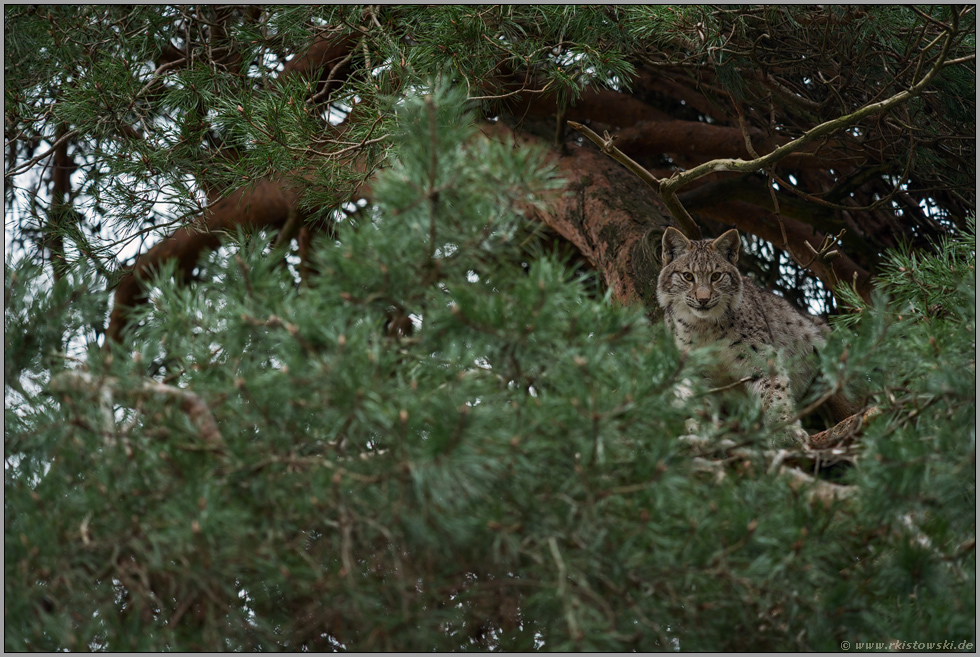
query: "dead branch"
190, 404
815, 489
605, 143
696, 138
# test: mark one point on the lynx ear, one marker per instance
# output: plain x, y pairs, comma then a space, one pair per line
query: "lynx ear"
727, 246
674, 245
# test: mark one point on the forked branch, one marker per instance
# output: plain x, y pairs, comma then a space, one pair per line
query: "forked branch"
688, 226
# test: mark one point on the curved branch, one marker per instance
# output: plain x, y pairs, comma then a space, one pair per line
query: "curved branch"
267, 203
190, 404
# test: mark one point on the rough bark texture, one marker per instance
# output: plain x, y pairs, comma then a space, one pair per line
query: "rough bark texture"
606, 213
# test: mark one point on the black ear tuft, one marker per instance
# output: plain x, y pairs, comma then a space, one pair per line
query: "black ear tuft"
674, 245
727, 245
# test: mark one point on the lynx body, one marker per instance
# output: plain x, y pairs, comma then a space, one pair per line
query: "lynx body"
706, 301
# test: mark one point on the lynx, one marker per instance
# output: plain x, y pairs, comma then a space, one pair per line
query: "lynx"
707, 301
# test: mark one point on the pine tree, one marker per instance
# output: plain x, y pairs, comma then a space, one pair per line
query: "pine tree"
430, 424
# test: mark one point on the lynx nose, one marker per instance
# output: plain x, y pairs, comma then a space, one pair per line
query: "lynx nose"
702, 295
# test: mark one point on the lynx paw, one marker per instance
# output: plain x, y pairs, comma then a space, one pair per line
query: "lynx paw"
794, 434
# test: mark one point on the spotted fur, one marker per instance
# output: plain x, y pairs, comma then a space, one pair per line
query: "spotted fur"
707, 301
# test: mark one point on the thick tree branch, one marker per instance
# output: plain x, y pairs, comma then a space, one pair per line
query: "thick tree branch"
687, 224
605, 215
59, 206
267, 203
323, 61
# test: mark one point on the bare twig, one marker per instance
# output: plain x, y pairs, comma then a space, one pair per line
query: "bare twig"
522, 90
734, 384
27, 165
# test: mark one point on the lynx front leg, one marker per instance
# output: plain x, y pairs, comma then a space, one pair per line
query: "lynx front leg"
774, 394
695, 430
683, 393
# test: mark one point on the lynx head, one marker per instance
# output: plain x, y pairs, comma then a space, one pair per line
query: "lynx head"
699, 279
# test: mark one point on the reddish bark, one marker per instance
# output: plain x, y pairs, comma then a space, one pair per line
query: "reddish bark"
267, 203
324, 61
606, 213
61, 171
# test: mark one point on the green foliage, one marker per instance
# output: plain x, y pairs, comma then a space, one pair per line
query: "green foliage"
505, 475
441, 439
156, 136
566, 48
918, 474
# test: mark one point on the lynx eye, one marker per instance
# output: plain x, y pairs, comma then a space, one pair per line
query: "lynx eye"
715, 277
688, 276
